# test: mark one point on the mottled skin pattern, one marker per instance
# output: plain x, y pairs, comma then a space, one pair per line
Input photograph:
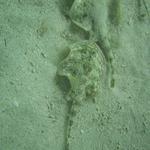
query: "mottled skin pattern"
83, 67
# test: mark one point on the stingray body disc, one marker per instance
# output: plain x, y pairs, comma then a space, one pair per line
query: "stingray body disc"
82, 71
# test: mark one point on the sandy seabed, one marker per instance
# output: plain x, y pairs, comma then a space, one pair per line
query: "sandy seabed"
33, 110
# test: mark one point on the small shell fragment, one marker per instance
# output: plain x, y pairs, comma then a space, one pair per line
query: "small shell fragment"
80, 14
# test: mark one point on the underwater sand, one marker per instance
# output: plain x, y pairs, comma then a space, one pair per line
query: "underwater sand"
33, 109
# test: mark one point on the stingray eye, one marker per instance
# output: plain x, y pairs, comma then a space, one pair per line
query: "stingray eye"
64, 83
